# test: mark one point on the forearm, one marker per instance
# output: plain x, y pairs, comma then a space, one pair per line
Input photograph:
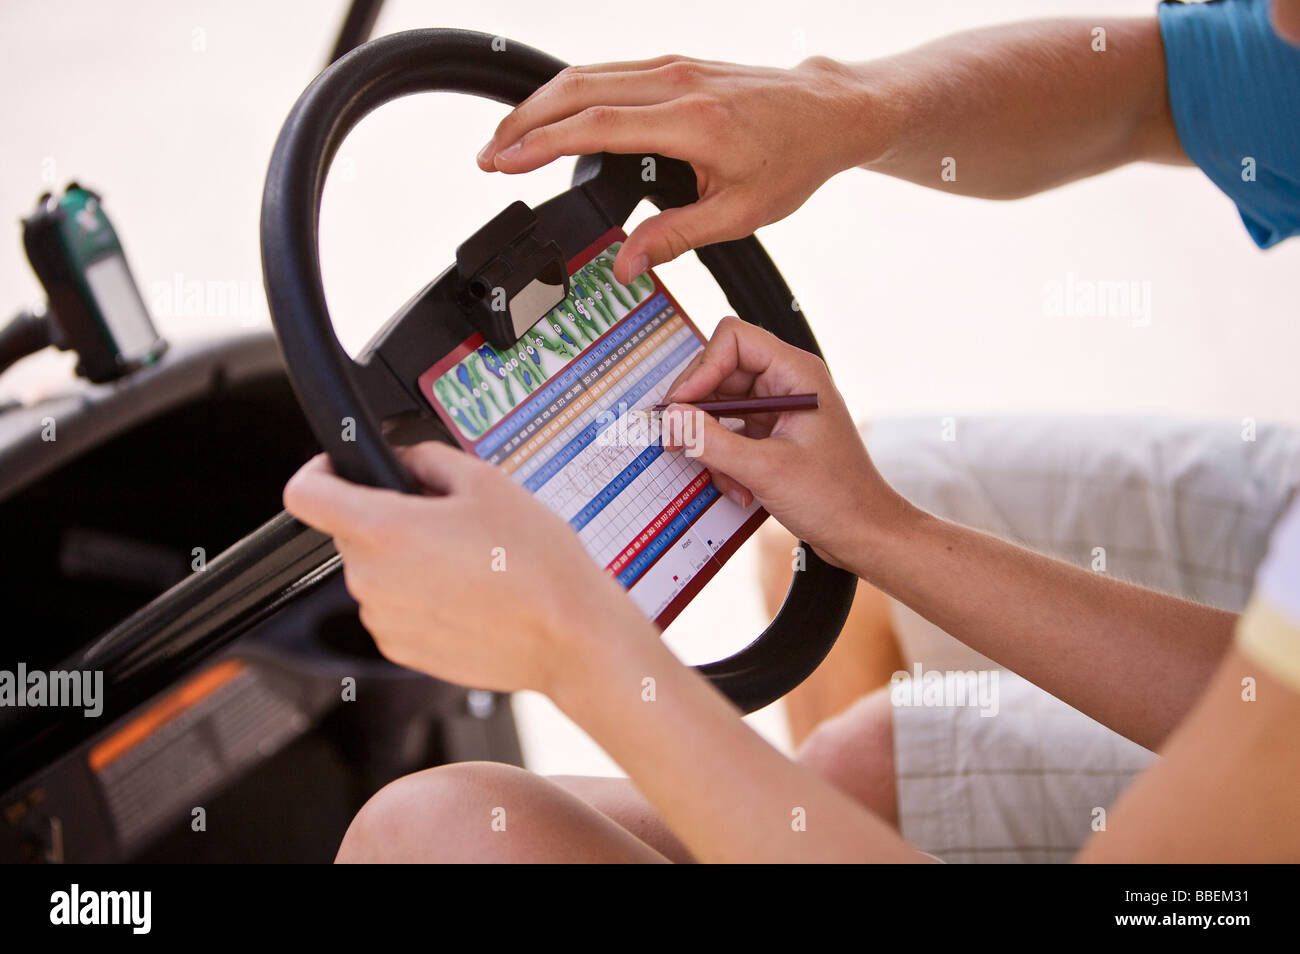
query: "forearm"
1012, 110
1131, 658
726, 793
1224, 788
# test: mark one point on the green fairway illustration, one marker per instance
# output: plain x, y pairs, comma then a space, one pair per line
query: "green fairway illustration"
489, 383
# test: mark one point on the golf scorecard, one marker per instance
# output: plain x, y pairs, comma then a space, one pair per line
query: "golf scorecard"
553, 412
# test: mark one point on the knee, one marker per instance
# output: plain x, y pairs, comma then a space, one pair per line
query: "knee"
854, 751
446, 813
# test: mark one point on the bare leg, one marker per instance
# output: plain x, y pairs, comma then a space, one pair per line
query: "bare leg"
485, 812
447, 814
854, 751
619, 800
863, 659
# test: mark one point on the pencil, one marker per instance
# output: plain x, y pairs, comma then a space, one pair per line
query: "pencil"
735, 407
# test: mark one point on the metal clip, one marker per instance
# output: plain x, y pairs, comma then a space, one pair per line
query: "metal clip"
509, 279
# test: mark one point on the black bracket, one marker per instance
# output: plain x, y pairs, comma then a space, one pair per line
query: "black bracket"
509, 279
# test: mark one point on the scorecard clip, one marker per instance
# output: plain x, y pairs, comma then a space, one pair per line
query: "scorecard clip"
508, 278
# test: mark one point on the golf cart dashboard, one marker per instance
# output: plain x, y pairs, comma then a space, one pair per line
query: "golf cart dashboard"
114, 493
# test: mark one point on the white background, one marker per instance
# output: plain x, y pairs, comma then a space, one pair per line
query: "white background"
925, 303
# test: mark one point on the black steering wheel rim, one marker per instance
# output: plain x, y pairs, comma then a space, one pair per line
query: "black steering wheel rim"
321, 372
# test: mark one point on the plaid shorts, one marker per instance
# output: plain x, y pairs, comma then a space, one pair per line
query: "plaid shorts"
1183, 508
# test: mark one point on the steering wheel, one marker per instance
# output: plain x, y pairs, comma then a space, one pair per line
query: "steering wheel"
380, 386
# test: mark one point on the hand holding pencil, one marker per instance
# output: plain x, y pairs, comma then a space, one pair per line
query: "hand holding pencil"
809, 470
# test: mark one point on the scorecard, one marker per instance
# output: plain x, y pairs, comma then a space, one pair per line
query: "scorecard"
552, 412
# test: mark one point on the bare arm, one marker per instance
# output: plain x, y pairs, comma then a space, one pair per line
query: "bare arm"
1131, 658
726, 793
1225, 788
1024, 107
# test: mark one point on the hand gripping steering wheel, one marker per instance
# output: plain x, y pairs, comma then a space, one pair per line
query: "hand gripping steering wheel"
380, 386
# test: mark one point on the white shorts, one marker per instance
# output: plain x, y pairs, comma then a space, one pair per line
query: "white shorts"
1183, 508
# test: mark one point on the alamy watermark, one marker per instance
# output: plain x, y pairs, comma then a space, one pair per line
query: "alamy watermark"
75, 689
133, 909
187, 297
1088, 298
935, 688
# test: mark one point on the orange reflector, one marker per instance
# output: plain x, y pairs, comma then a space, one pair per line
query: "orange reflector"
162, 712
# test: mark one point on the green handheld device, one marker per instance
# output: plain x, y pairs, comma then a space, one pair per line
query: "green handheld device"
95, 307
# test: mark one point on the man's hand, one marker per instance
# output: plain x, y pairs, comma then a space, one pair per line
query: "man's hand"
481, 585
998, 113
761, 140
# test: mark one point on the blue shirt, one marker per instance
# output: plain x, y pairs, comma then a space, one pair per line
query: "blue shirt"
1234, 87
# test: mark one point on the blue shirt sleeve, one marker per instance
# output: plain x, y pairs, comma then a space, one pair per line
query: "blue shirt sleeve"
1234, 87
